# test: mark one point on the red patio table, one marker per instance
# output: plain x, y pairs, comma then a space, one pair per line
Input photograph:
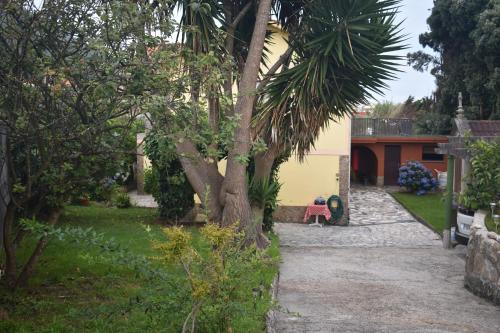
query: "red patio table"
317, 210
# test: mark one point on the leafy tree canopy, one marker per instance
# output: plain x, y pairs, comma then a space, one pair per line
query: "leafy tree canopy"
466, 37
69, 81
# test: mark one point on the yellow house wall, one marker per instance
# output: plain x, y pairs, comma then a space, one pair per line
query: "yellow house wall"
317, 175
303, 182
335, 139
277, 45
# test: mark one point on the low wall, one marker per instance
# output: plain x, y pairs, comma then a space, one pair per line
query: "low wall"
482, 267
289, 214
271, 316
295, 214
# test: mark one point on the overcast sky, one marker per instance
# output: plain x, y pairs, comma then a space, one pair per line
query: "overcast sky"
411, 82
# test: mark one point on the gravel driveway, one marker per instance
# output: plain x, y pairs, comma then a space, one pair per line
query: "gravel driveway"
384, 273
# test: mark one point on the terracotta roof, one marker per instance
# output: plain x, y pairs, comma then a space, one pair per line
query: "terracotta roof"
484, 127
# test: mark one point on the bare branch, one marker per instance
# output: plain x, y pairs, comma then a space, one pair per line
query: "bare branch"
282, 59
241, 14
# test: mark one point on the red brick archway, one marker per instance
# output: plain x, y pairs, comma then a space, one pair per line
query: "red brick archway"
412, 149
364, 164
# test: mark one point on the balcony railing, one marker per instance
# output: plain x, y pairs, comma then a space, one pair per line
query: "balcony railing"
382, 127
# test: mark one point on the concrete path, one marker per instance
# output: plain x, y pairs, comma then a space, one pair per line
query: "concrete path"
384, 273
142, 200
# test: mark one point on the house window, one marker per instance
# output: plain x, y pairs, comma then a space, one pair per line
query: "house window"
429, 154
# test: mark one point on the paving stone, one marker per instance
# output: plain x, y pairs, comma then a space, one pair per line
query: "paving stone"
385, 272
406, 235
373, 205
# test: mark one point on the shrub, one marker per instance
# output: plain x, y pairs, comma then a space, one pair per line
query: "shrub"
269, 190
264, 194
483, 181
151, 181
175, 196
65, 106
416, 178
122, 200
219, 278
171, 189
103, 190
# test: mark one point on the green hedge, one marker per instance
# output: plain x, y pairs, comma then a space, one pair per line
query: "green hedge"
166, 180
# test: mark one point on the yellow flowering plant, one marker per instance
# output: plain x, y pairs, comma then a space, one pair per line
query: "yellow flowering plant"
217, 274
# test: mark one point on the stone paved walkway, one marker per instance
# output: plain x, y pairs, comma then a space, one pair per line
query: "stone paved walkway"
384, 273
372, 205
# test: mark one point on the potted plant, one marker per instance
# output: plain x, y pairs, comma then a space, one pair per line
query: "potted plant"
483, 184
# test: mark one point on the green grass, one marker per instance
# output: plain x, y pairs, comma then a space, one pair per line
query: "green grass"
490, 225
429, 208
74, 291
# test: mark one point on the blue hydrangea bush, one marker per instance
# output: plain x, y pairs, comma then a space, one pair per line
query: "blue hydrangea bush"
416, 178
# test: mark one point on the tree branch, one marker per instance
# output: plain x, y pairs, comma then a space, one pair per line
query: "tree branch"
229, 45
241, 14
282, 59
204, 177
37, 252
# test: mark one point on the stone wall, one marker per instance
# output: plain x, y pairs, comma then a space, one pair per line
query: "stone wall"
295, 214
289, 214
482, 267
271, 316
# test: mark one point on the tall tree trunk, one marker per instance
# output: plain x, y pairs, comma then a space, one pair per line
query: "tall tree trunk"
29, 267
264, 162
232, 24
228, 82
263, 167
9, 247
234, 193
256, 232
203, 177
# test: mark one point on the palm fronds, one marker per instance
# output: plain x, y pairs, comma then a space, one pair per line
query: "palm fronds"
263, 192
343, 52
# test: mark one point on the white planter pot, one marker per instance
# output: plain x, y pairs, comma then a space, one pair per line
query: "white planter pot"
442, 178
464, 222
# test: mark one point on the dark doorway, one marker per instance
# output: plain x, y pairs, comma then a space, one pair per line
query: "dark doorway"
364, 166
392, 162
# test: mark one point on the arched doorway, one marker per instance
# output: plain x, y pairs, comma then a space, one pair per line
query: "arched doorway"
364, 166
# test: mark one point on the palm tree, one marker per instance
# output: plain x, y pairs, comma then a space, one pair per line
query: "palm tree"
343, 51
340, 52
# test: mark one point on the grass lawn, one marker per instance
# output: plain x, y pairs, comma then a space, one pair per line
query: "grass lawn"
74, 291
429, 207
490, 225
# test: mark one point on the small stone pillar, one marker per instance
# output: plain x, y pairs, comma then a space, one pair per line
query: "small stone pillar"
449, 204
344, 180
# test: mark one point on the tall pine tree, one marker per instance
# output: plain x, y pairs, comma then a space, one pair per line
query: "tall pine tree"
466, 37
